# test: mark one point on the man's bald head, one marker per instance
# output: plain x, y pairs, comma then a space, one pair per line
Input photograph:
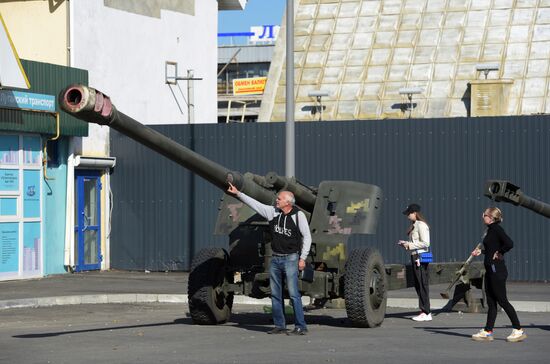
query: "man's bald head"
285, 201
287, 196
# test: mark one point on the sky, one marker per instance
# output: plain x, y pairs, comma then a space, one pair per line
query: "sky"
256, 12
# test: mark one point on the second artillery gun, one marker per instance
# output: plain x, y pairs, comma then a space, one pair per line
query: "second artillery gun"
335, 210
504, 191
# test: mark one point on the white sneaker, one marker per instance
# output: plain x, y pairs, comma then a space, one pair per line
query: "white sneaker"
423, 317
516, 335
483, 335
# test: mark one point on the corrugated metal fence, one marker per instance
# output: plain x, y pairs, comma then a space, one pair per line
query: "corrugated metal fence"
163, 213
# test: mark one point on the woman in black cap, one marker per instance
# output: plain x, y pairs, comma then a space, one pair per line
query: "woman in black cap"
419, 242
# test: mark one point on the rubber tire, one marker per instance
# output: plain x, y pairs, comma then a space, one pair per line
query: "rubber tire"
365, 288
208, 303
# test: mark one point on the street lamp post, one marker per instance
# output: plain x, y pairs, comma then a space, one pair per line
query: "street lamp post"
487, 67
409, 92
289, 111
318, 94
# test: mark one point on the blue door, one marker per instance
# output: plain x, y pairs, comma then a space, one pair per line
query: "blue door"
87, 220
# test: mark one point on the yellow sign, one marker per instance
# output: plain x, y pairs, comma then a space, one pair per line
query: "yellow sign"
249, 86
361, 205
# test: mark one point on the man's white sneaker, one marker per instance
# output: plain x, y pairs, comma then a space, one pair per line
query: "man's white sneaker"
423, 317
483, 335
516, 335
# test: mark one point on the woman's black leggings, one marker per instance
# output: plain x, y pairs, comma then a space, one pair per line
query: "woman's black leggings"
495, 290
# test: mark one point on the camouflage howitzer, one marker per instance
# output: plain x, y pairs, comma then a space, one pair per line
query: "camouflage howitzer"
501, 191
335, 210
504, 191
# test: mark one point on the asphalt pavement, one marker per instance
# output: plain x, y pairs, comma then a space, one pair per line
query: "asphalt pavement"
163, 333
102, 287
142, 317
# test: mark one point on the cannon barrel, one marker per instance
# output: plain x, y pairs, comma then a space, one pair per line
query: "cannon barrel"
304, 196
504, 191
93, 106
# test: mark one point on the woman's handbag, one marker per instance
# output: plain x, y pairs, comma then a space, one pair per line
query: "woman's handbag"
426, 257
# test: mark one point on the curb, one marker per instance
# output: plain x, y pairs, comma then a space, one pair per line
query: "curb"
129, 298
520, 306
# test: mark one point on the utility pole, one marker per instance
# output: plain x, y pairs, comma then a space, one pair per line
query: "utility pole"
289, 112
173, 80
191, 97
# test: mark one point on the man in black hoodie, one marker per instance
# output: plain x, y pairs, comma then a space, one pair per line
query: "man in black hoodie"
291, 241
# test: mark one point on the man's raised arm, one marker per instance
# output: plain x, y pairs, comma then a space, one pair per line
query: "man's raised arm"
267, 211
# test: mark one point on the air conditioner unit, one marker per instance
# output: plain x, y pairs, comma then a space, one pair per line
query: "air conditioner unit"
489, 97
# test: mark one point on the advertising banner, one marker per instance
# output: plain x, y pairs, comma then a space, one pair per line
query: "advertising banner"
27, 100
31, 246
9, 247
9, 180
31, 193
249, 86
264, 33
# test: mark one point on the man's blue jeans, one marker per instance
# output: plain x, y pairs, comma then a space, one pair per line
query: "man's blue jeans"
285, 266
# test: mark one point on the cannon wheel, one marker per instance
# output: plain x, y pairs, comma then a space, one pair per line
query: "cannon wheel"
209, 304
365, 288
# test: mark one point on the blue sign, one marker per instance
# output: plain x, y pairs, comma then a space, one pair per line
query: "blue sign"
27, 100
31, 246
257, 34
237, 34
9, 180
264, 33
31, 193
9, 247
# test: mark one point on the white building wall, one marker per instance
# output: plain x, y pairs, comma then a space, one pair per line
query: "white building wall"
125, 54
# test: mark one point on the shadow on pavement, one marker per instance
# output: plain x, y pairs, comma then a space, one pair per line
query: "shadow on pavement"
402, 315
445, 332
262, 322
182, 321
542, 327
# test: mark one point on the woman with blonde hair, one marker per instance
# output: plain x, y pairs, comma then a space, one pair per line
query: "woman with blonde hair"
419, 242
495, 244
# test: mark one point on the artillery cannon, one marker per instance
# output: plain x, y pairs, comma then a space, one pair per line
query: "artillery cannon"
504, 191
335, 209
